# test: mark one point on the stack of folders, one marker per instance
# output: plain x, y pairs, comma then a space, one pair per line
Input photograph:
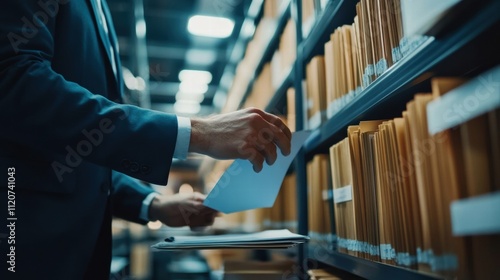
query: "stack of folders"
285, 55
269, 239
287, 46
319, 218
262, 90
274, 72
316, 92
358, 54
393, 184
272, 8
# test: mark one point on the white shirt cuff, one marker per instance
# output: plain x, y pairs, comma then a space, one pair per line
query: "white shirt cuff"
144, 215
183, 137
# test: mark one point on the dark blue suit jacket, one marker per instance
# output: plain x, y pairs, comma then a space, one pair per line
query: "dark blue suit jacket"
63, 131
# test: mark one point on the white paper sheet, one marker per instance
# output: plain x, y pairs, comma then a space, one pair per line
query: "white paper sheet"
240, 188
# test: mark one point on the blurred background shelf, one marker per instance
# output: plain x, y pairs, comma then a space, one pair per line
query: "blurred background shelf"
272, 45
277, 104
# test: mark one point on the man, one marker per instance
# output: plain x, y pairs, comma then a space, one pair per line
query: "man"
67, 150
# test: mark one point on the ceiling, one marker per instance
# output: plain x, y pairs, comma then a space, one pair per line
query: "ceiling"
168, 47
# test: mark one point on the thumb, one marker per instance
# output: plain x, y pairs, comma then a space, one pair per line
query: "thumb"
196, 196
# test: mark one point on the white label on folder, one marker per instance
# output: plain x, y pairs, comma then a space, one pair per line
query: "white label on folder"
343, 194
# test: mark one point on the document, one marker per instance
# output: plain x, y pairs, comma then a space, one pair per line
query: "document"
240, 188
268, 239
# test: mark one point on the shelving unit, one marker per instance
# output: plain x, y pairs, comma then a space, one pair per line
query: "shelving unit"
283, 17
336, 13
400, 81
458, 50
361, 267
464, 103
278, 101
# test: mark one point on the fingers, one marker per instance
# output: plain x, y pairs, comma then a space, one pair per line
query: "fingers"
276, 121
280, 134
282, 141
196, 196
203, 220
268, 151
257, 160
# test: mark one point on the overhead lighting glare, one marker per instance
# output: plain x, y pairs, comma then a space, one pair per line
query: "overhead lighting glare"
208, 26
201, 77
187, 107
132, 82
193, 88
180, 96
201, 57
140, 28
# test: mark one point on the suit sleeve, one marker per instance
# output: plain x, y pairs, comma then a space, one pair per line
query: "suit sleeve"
41, 110
127, 196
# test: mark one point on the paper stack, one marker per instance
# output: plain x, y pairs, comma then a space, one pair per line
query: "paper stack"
269, 239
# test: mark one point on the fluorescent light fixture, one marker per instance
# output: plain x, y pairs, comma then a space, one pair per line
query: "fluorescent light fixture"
201, 57
187, 107
140, 28
193, 88
248, 30
208, 26
201, 77
197, 97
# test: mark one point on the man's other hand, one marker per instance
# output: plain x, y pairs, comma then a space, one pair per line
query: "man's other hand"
179, 210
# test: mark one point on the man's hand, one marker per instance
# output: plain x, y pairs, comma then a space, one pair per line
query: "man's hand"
182, 210
247, 134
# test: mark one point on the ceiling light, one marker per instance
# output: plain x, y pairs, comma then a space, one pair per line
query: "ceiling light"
201, 57
207, 26
140, 28
201, 77
248, 30
187, 107
180, 96
193, 88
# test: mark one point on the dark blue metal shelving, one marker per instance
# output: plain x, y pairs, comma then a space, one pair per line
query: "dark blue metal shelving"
396, 86
336, 13
278, 102
403, 74
399, 83
364, 268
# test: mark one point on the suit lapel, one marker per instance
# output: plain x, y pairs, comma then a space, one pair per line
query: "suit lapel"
105, 40
114, 45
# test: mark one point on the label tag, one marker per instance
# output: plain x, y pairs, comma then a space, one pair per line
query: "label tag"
343, 194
